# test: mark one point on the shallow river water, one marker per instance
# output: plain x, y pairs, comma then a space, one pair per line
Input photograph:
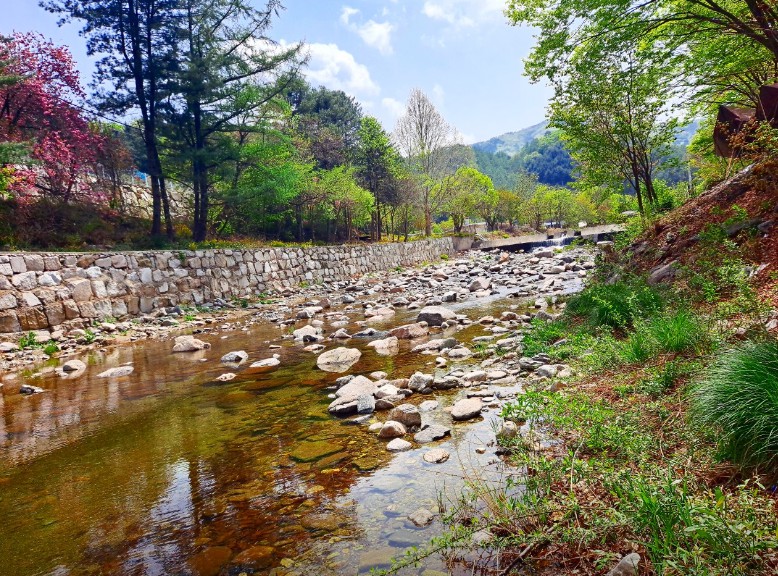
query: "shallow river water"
166, 472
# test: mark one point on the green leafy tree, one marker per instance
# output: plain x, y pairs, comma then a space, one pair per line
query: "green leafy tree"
346, 204
230, 71
272, 183
376, 161
615, 118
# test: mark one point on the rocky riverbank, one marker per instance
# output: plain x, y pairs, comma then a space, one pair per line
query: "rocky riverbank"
317, 313
416, 362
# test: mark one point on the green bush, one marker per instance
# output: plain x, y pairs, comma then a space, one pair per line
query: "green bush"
617, 305
739, 399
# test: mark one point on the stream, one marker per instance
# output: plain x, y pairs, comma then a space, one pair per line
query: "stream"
170, 472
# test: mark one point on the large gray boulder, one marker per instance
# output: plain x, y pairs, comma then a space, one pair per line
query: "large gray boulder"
436, 315
339, 359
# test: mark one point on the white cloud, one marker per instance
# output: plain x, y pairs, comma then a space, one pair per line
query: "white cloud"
463, 13
394, 107
337, 69
377, 35
347, 13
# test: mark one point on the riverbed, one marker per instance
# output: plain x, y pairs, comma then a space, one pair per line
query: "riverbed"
170, 471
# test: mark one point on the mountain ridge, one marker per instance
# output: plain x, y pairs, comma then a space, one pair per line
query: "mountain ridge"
512, 142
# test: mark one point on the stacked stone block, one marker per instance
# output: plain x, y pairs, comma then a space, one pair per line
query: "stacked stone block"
48, 291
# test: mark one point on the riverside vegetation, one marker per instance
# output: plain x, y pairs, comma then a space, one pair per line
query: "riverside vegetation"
661, 450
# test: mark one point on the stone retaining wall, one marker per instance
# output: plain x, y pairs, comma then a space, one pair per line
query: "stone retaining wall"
46, 291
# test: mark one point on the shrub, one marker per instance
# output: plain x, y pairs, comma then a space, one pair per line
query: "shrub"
617, 305
739, 399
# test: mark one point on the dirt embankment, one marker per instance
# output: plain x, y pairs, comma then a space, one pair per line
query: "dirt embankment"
738, 216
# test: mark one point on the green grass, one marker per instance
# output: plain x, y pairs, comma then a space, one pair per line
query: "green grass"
675, 332
617, 305
688, 529
739, 398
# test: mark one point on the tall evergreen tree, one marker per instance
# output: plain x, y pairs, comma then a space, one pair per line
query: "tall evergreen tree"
230, 70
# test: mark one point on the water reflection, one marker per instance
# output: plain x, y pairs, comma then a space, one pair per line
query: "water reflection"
165, 472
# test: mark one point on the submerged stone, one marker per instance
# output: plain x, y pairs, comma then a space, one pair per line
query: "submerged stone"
312, 451
210, 561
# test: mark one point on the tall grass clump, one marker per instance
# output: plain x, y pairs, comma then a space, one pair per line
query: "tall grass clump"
679, 331
674, 332
616, 305
739, 399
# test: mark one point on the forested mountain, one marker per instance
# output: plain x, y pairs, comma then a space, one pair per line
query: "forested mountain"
544, 156
538, 150
511, 143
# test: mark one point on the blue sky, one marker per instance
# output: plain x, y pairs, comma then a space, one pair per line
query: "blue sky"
462, 53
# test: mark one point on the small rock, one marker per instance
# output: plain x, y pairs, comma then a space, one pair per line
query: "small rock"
419, 382
339, 359
435, 315
399, 445
189, 344
436, 456
117, 372
73, 366
466, 409
627, 566
410, 331
429, 405
341, 334
265, 364
238, 357
407, 414
421, 517
27, 390
508, 430
226, 377
431, 433
392, 429
365, 404
386, 347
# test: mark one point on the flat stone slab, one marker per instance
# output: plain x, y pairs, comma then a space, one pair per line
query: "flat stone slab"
338, 360
431, 433
312, 451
